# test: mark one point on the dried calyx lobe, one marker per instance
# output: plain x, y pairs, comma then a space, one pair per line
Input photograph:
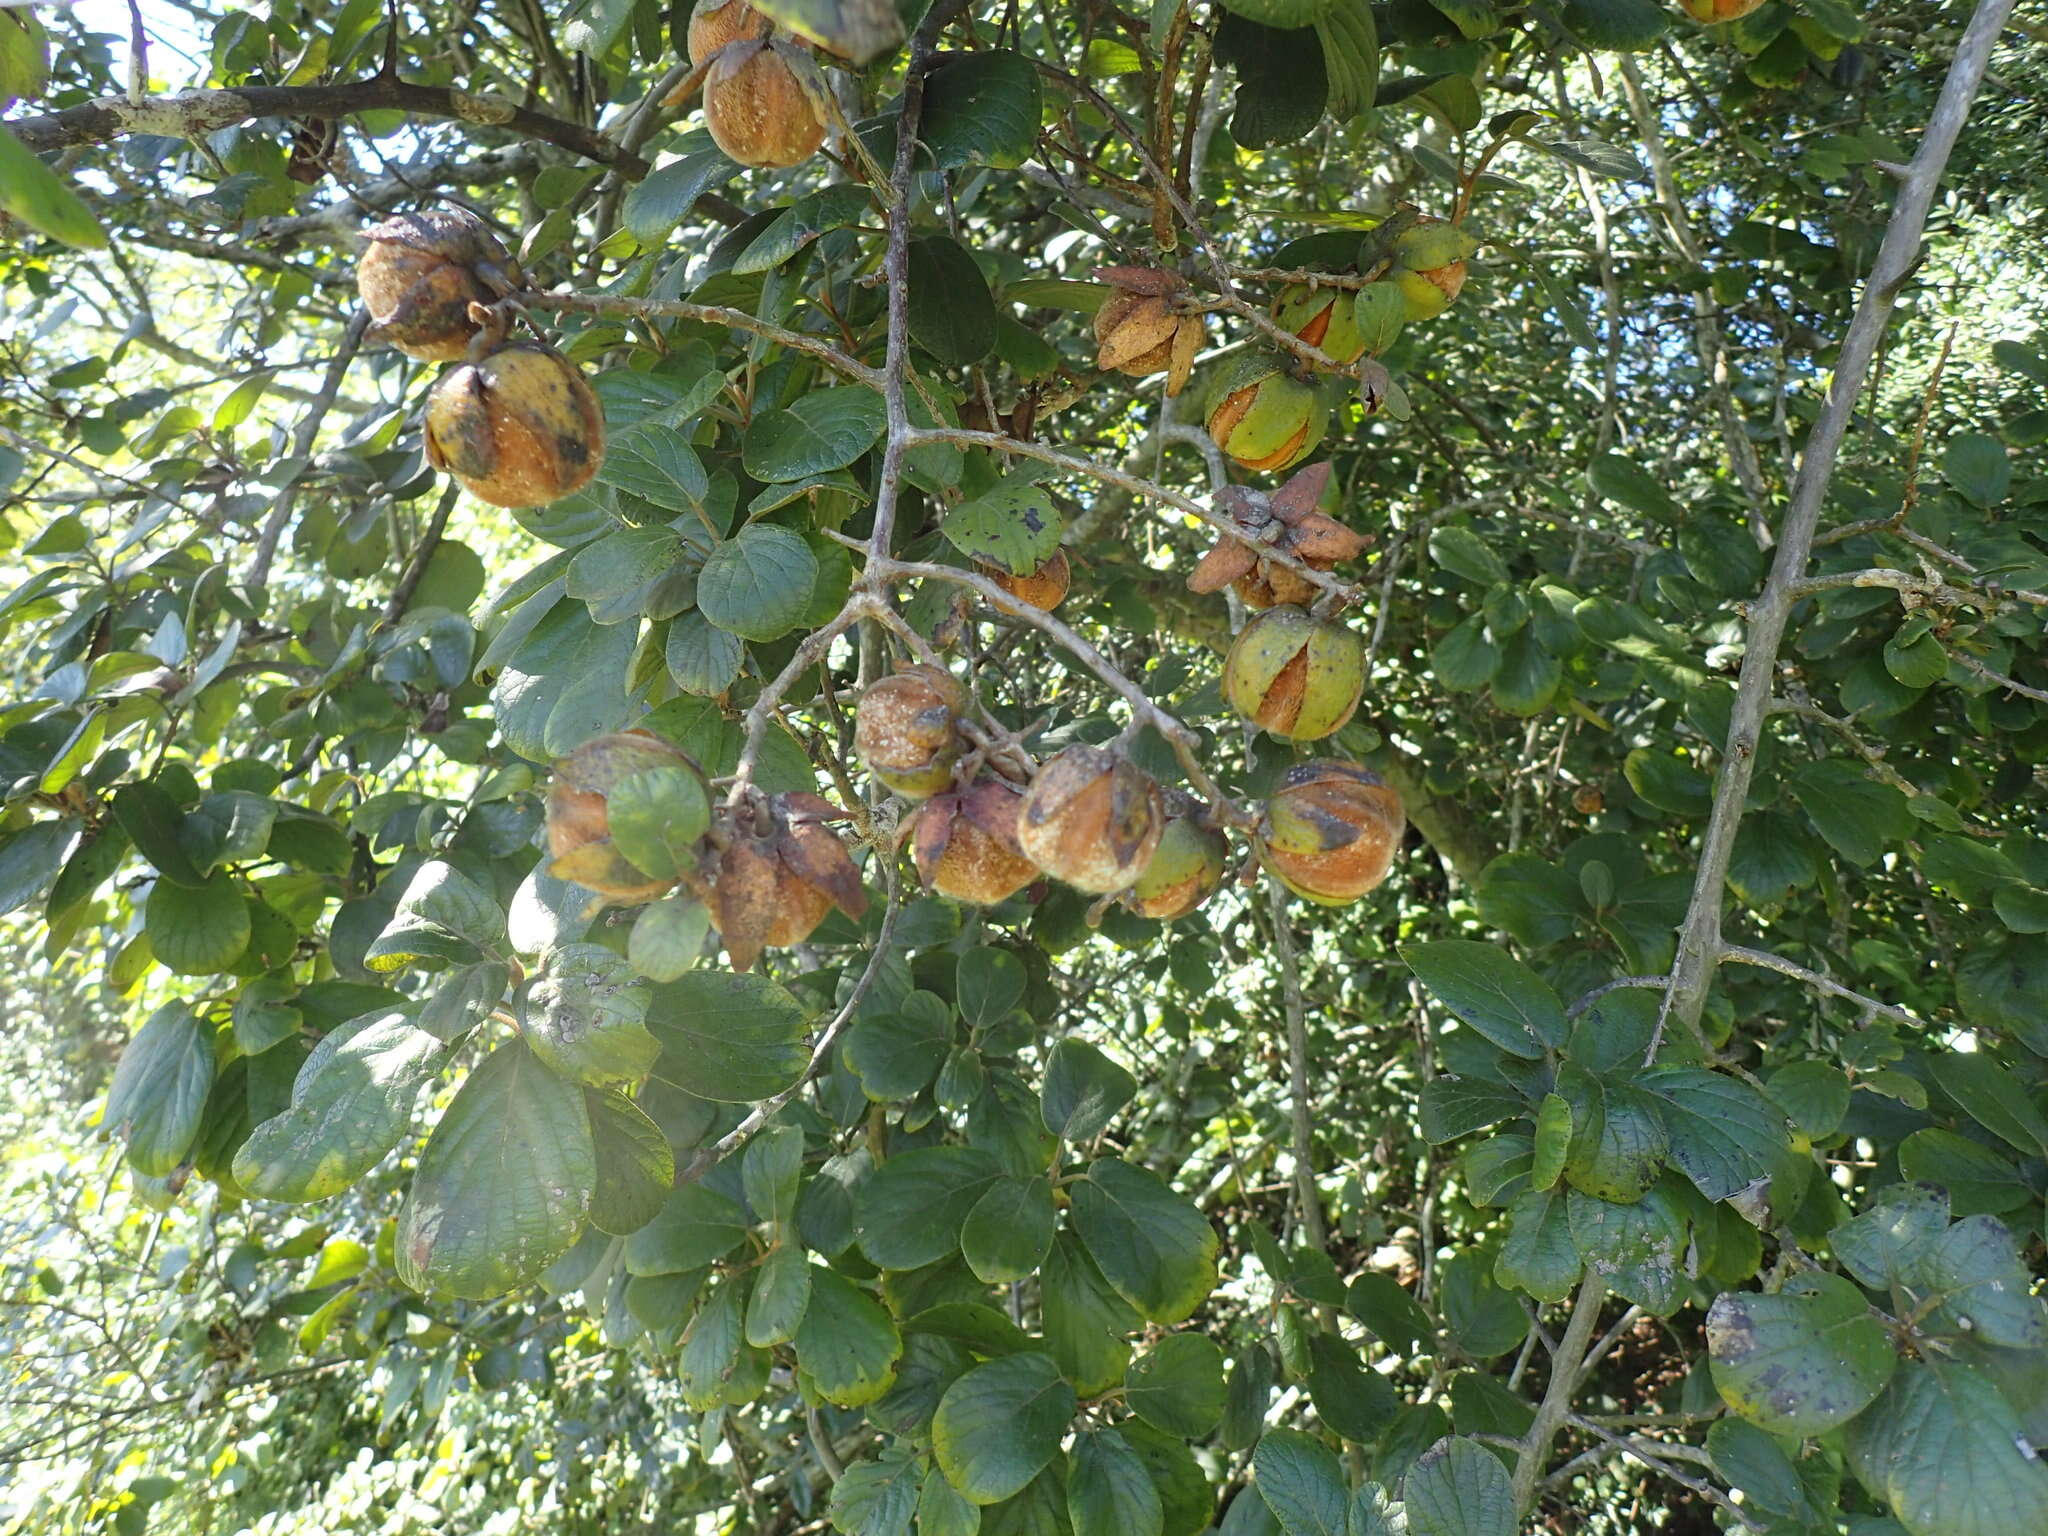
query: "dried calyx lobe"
780, 871
1289, 520
421, 274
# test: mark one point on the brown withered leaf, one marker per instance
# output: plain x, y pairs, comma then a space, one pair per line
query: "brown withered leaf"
1151, 280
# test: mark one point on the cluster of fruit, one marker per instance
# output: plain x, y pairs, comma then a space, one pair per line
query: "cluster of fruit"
516, 423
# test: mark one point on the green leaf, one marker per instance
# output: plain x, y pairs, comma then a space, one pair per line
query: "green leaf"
1802, 1361
159, 1091
1553, 1137
1383, 1305
1013, 524
1723, 1135
352, 1100
1280, 13
1000, 1424
1465, 659
1638, 1249
1483, 1319
1464, 553
989, 984
695, 1227
1084, 1319
584, 1017
1151, 1244
702, 658
1619, 1141
1282, 81
897, 1053
1009, 1231
1977, 467
910, 1211
663, 198
877, 1497
635, 1163
757, 585
153, 823
1084, 1090
981, 108
1539, 1256
1488, 989
1978, 1180
1454, 1106
1860, 817
443, 916
1302, 1483
1815, 1094
1351, 59
1755, 1463
563, 683
952, 312
1883, 1245
1177, 1385
1980, 1289
1459, 1488
655, 462
941, 1511
733, 1039
1356, 1402
197, 930
822, 430
1622, 480
1993, 1097
35, 194
1944, 1448
1626, 26
848, 1345
711, 1345
771, 1169
504, 1184
1109, 1492
1669, 781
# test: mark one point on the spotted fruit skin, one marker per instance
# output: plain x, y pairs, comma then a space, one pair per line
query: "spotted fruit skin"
903, 729
780, 871
420, 274
965, 844
759, 108
1044, 588
714, 23
1322, 317
1092, 819
519, 428
1331, 831
1186, 869
1294, 674
580, 848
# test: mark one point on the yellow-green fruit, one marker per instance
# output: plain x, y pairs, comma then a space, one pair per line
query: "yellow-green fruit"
1092, 819
1186, 870
1323, 318
1295, 674
903, 730
1264, 417
519, 429
1330, 831
1707, 12
1429, 267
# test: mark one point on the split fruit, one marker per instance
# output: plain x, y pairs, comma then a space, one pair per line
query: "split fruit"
1262, 416
1330, 831
1186, 869
1429, 266
904, 730
421, 274
762, 103
964, 843
624, 815
1294, 674
519, 428
1325, 318
1091, 818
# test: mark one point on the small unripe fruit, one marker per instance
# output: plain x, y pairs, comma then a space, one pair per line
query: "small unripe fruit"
1092, 819
1045, 588
1708, 12
1186, 869
1330, 831
421, 273
760, 107
965, 844
580, 843
1295, 674
1429, 266
714, 23
519, 429
1322, 317
903, 729
1264, 417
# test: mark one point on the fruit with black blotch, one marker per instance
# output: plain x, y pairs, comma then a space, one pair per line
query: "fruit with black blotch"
1330, 831
1091, 818
1044, 587
520, 427
904, 730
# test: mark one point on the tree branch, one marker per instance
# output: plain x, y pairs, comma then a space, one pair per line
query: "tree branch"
1764, 960
1699, 941
1557, 1397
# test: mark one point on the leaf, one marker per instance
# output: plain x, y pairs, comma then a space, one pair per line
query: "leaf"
1454, 1106
1280, 13
158, 1095
584, 1018
910, 1211
733, 1039
1302, 1483
822, 430
1000, 1424
1464, 553
635, 1164
877, 1497
695, 1226
1723, 1135
1177, 1385
1626, 26
1013, 524
1356, 1402
848, 1345
1597, 156
1619, 1140
1979, 1288
1498, 996
1814, 1094
1860, 817
153, 822
1944, 1448
1553, 1137
1084, 1320
757, 585
1009, 1231
1539, 1256
1977, 467
952, 312
1623, 480
1282, 80
1802, 1361
656, 463
1395, 1317
35, 194
989, 984
1151, 1244
1351, 58
941, 1511
656, 818
712, 1344
1109, 1492
1756, 1463
981, 107
1978, 1180
351, 1102
1883, 1245
504, 1183
1483, 1319
664, 197
1638, 1248
702, 658
1083, 1091
897, 1053
1459, 1488
564, 683
443, 916
1993, 1097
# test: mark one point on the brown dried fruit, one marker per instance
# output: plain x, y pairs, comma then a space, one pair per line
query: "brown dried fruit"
1316, 539
1330, 831
421, 273
1045, 588
903, 729
519, 428
580, 843
965, 843
715, 23
1091, 818
761, 104
1141, 329
780, 872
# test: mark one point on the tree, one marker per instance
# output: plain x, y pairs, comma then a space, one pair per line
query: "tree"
1264, 764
